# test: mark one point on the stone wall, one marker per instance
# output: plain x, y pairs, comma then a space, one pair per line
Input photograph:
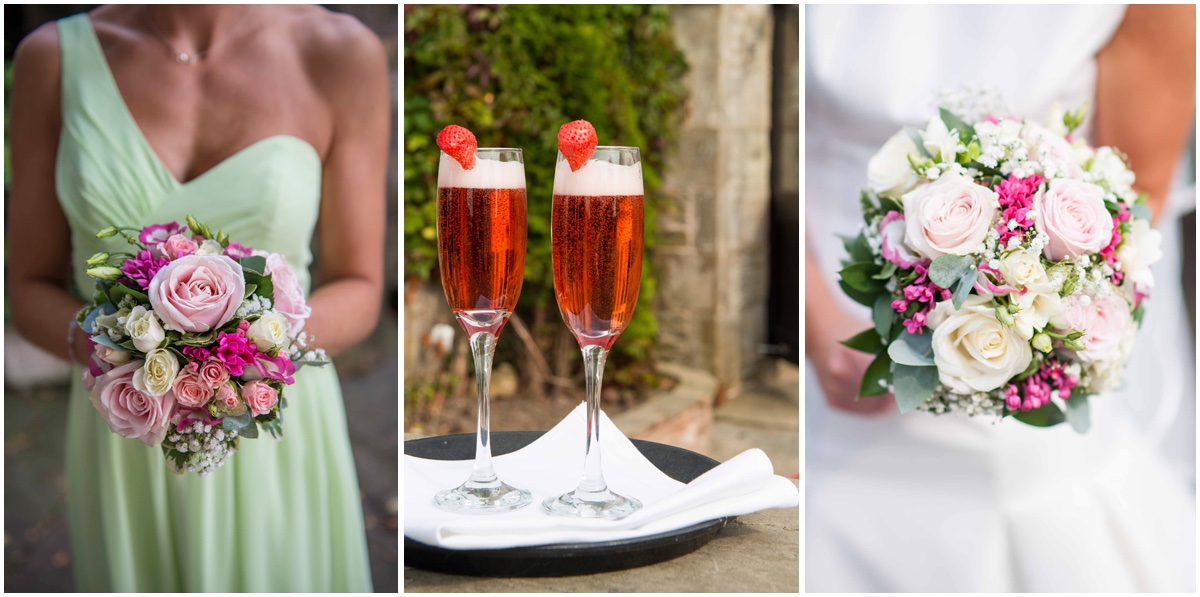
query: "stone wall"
713, 252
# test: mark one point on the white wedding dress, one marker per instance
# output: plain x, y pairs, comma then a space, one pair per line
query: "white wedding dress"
947, 503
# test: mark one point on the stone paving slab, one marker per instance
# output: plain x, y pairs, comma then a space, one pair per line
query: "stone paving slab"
757, 553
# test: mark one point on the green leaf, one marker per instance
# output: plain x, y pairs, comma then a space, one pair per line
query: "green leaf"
866, 298
254, 263
883, 315
249, 431
1046, 416
1078, 414
967, 132
915, 134
860, 277
250, 288
199, 339
879, 370
914, 350
867, 341
948, 269
914, 385
965, 284
1140, 211
237, 422
889, 270
119, 290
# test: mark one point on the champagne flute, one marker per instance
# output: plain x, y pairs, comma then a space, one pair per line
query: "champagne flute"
596, 241
481, 251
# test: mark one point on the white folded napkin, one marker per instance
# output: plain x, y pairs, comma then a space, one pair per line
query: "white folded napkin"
551, 466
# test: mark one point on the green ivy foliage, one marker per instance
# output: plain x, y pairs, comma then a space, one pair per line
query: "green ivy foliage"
513, 75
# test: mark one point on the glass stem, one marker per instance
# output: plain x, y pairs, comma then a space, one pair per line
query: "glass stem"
593, 477
483, 346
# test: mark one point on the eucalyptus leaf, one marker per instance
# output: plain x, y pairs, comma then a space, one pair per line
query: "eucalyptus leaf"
882, 314
237, 422
867, 341
249, 431
254, 263
878, 371
106, 341
914, 350
913, 385
948, 269
1046, 416
915, 134
1140, 211
965, 284
1078, 413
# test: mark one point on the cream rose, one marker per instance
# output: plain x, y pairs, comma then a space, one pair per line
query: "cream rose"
142, 325
1141, 248
1073, 215
157, 374
951, 215
1024, 270
269, 331
210, 247
973, 351
888, 172
1037, 310
112, 356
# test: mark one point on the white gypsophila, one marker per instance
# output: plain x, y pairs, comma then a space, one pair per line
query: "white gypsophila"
974, 404
210, 247
206, 448
973, 103
1108, 170
252, 305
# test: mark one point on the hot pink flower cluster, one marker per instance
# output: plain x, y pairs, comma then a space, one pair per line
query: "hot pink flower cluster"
923, 293
1016, 199
1036, 390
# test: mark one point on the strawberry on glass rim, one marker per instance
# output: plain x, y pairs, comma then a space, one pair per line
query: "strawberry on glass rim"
577, 143
458, 143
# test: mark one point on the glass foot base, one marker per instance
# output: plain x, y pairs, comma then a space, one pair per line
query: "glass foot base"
482, 500
604, 504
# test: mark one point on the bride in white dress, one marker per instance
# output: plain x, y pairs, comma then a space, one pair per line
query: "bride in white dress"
947, 503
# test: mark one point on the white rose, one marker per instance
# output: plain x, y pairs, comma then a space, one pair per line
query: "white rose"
142, 325
1140, 248
888, 172
1108, 328
1037, 310
951, 215
939, 142
157, 374
210, 247
269, 331
972, 350
1023, 269
1073, 216
112, 356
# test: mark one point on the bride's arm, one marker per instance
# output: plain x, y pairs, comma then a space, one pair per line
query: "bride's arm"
839, 369
351, 225
1146, 92
38, 238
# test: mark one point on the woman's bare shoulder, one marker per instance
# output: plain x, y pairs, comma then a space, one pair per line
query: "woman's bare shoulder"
335, 43
37, 64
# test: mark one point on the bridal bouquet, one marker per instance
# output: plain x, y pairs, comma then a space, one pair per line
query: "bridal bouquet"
1006, 263
195, 338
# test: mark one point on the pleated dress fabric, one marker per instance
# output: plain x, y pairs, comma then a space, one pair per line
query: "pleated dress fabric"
281, 515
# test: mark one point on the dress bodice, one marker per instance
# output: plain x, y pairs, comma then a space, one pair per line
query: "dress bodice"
265, 196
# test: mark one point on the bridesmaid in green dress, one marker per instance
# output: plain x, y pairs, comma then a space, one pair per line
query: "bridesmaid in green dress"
272, 123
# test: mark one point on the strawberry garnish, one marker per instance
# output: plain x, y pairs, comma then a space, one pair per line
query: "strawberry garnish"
577, 142
458, 143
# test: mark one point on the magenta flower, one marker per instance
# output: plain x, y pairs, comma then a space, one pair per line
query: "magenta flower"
1036, 390
1016, 199
279, 367
141, 269
236, 351
237, 251
158, 233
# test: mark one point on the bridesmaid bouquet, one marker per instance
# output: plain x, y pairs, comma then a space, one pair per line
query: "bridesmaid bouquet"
1006, 263
194, 339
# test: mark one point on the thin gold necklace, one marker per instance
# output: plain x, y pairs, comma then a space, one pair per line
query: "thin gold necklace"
187, 58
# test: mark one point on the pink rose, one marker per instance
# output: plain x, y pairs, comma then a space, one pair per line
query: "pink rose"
891, 230
950, 216
228, 397
1073, 215
289, 297
260, 397
1108, 329
1053, 151
178, 246
128, 412
197, 293
190, 389
213, 373
279, 367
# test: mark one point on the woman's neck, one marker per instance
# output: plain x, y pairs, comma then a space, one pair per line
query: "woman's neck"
195, 27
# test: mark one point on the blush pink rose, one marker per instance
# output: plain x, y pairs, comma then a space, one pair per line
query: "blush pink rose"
190, 389
213, 373
228, 397
891, 231
197, 293
1051, 149
260, 397
178, 246
128, 412
1108, 329
289, 297
1072, 214
950, 216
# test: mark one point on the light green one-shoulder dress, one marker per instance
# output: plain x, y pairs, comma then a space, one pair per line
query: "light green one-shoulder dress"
280, 515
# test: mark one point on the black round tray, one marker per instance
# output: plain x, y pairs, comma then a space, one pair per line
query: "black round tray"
566, 559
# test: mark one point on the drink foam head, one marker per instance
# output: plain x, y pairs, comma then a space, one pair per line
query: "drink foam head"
598, 178
487, 174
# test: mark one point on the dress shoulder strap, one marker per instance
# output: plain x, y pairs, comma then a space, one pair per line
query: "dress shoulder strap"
85, 75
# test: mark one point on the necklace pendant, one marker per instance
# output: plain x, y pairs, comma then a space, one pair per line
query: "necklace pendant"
185, 58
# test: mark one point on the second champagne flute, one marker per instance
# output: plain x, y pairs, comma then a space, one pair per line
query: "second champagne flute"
481, 251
